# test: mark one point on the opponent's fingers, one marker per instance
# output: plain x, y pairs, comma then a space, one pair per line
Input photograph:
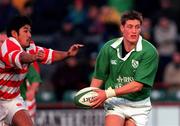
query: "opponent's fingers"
77, 46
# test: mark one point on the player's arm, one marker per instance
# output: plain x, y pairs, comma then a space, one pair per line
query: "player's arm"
58, 55
96, 83
73, 50
128, 88
32, 90
131, 87
29, 58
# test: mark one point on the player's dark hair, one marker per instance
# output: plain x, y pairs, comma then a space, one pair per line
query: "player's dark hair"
131, 15
16, 23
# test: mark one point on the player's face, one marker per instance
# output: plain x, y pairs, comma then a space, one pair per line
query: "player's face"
24, 36
131, 31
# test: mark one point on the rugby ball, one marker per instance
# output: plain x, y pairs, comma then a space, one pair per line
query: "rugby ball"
84, 96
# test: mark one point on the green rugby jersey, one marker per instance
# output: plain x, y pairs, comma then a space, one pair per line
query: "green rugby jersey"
32, 76
140, 65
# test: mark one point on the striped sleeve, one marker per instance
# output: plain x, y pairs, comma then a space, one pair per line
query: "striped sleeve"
33, 49
48, 55
10, 54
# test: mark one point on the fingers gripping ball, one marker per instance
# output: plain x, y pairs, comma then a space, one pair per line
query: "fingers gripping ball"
84, 96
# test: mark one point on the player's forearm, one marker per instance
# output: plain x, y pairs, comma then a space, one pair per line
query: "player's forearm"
129, 88
96, 82
60, 55
27, 58
34, 86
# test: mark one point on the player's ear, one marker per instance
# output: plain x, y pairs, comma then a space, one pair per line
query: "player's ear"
14, 33
121, 28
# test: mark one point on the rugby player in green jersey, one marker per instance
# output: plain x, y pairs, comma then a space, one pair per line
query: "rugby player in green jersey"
126, 66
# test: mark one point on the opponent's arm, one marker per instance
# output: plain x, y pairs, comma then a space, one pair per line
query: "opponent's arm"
58, 55
32, 90
29, 58
73, 50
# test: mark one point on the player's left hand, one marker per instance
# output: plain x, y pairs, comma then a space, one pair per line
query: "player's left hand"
73, 50
99, 100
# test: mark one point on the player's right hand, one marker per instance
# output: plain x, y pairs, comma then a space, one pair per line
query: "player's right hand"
99, 100
40, 55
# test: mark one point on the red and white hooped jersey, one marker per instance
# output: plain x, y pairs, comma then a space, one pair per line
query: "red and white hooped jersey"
12, 71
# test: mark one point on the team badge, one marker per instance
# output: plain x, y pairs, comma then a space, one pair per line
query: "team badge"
114, 62
135, 63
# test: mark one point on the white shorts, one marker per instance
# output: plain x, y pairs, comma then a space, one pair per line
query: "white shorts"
11, 107
138, 111
3, 114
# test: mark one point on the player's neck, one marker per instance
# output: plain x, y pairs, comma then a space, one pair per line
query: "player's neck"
128, 46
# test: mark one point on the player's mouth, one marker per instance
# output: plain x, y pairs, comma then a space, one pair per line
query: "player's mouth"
134, 36
28, 40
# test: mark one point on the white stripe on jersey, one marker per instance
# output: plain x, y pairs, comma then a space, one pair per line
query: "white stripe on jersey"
4, 49
13, 90
49, 58
10, 90
17, 61
31, 47
12, 77
2, 65
10, 57
40, 48
18, 77
2, 76
7, 76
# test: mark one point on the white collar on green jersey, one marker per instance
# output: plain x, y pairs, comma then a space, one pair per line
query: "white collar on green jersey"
16, 42
119, 41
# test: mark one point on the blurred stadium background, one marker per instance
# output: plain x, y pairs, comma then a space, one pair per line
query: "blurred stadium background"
59, 23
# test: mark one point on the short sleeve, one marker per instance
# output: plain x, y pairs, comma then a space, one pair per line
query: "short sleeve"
33, 49
48, 59
147, 68
102, 64
10, 55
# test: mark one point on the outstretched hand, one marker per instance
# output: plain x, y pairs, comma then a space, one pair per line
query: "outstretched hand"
73, 50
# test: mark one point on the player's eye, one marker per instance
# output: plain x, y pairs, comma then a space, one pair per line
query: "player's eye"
25, 31
138, 27
129, 26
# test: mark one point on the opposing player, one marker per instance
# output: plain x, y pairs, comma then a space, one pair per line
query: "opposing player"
3, 112
29, 89
127, 67
16, 53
